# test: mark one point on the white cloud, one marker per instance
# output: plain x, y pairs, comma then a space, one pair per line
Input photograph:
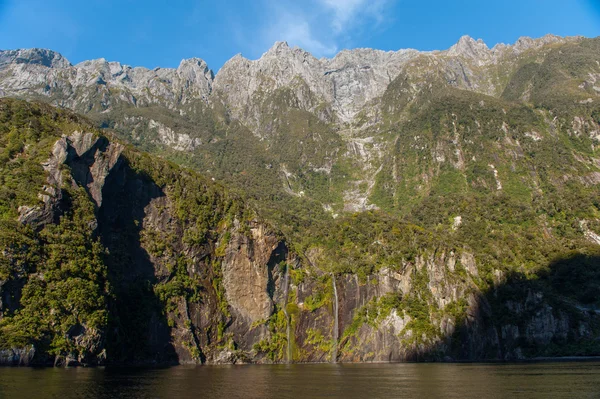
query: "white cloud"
318, 26
297, 31
343, 11
348, 13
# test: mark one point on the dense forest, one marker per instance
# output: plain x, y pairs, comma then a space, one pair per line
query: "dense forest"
456, 216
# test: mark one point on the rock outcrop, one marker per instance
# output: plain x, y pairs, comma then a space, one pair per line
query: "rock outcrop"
447, 184
90, 160
346, 83
99, 85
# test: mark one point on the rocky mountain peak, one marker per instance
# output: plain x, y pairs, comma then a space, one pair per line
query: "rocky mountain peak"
101, 66
470, 48
193, 62
280, 66
525, 43
278, 48
44, 57
345, 83
195, 70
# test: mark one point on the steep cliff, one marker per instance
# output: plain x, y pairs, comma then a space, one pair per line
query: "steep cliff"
398, 206
122, 257
312, 122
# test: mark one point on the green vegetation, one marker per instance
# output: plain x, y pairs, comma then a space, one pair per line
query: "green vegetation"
274, 347
510, 179
321, 345
83, 287
67, 290
60, 269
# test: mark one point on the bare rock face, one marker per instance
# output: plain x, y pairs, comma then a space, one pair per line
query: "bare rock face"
481, 54
41, 57
392, 337
336, 90
39, 216
470, 48
347, 82
247, 274
91, 159
362, 75
172, 139
98, 155
17, 356
98, 85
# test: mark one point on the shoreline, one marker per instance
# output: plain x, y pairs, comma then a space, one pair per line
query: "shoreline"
564, 359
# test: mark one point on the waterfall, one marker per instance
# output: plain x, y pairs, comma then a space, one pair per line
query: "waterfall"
335, 321
286, 282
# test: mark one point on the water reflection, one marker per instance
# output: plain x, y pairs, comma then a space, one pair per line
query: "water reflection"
551, 380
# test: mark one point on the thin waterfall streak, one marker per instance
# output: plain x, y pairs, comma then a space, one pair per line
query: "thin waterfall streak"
335, 321
287, 316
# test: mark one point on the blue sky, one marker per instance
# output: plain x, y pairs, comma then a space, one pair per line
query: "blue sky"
154, 33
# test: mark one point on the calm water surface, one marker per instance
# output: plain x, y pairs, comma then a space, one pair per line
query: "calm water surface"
540, 380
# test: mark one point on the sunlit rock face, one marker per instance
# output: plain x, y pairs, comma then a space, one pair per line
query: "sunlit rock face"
465, 145
346, 84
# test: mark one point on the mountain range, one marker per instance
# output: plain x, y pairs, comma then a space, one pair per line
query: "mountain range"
375, 206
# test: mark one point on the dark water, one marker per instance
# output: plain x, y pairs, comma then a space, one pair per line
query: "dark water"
548, 380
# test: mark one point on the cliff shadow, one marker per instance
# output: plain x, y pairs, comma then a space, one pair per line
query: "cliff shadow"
138, 329
553, 313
